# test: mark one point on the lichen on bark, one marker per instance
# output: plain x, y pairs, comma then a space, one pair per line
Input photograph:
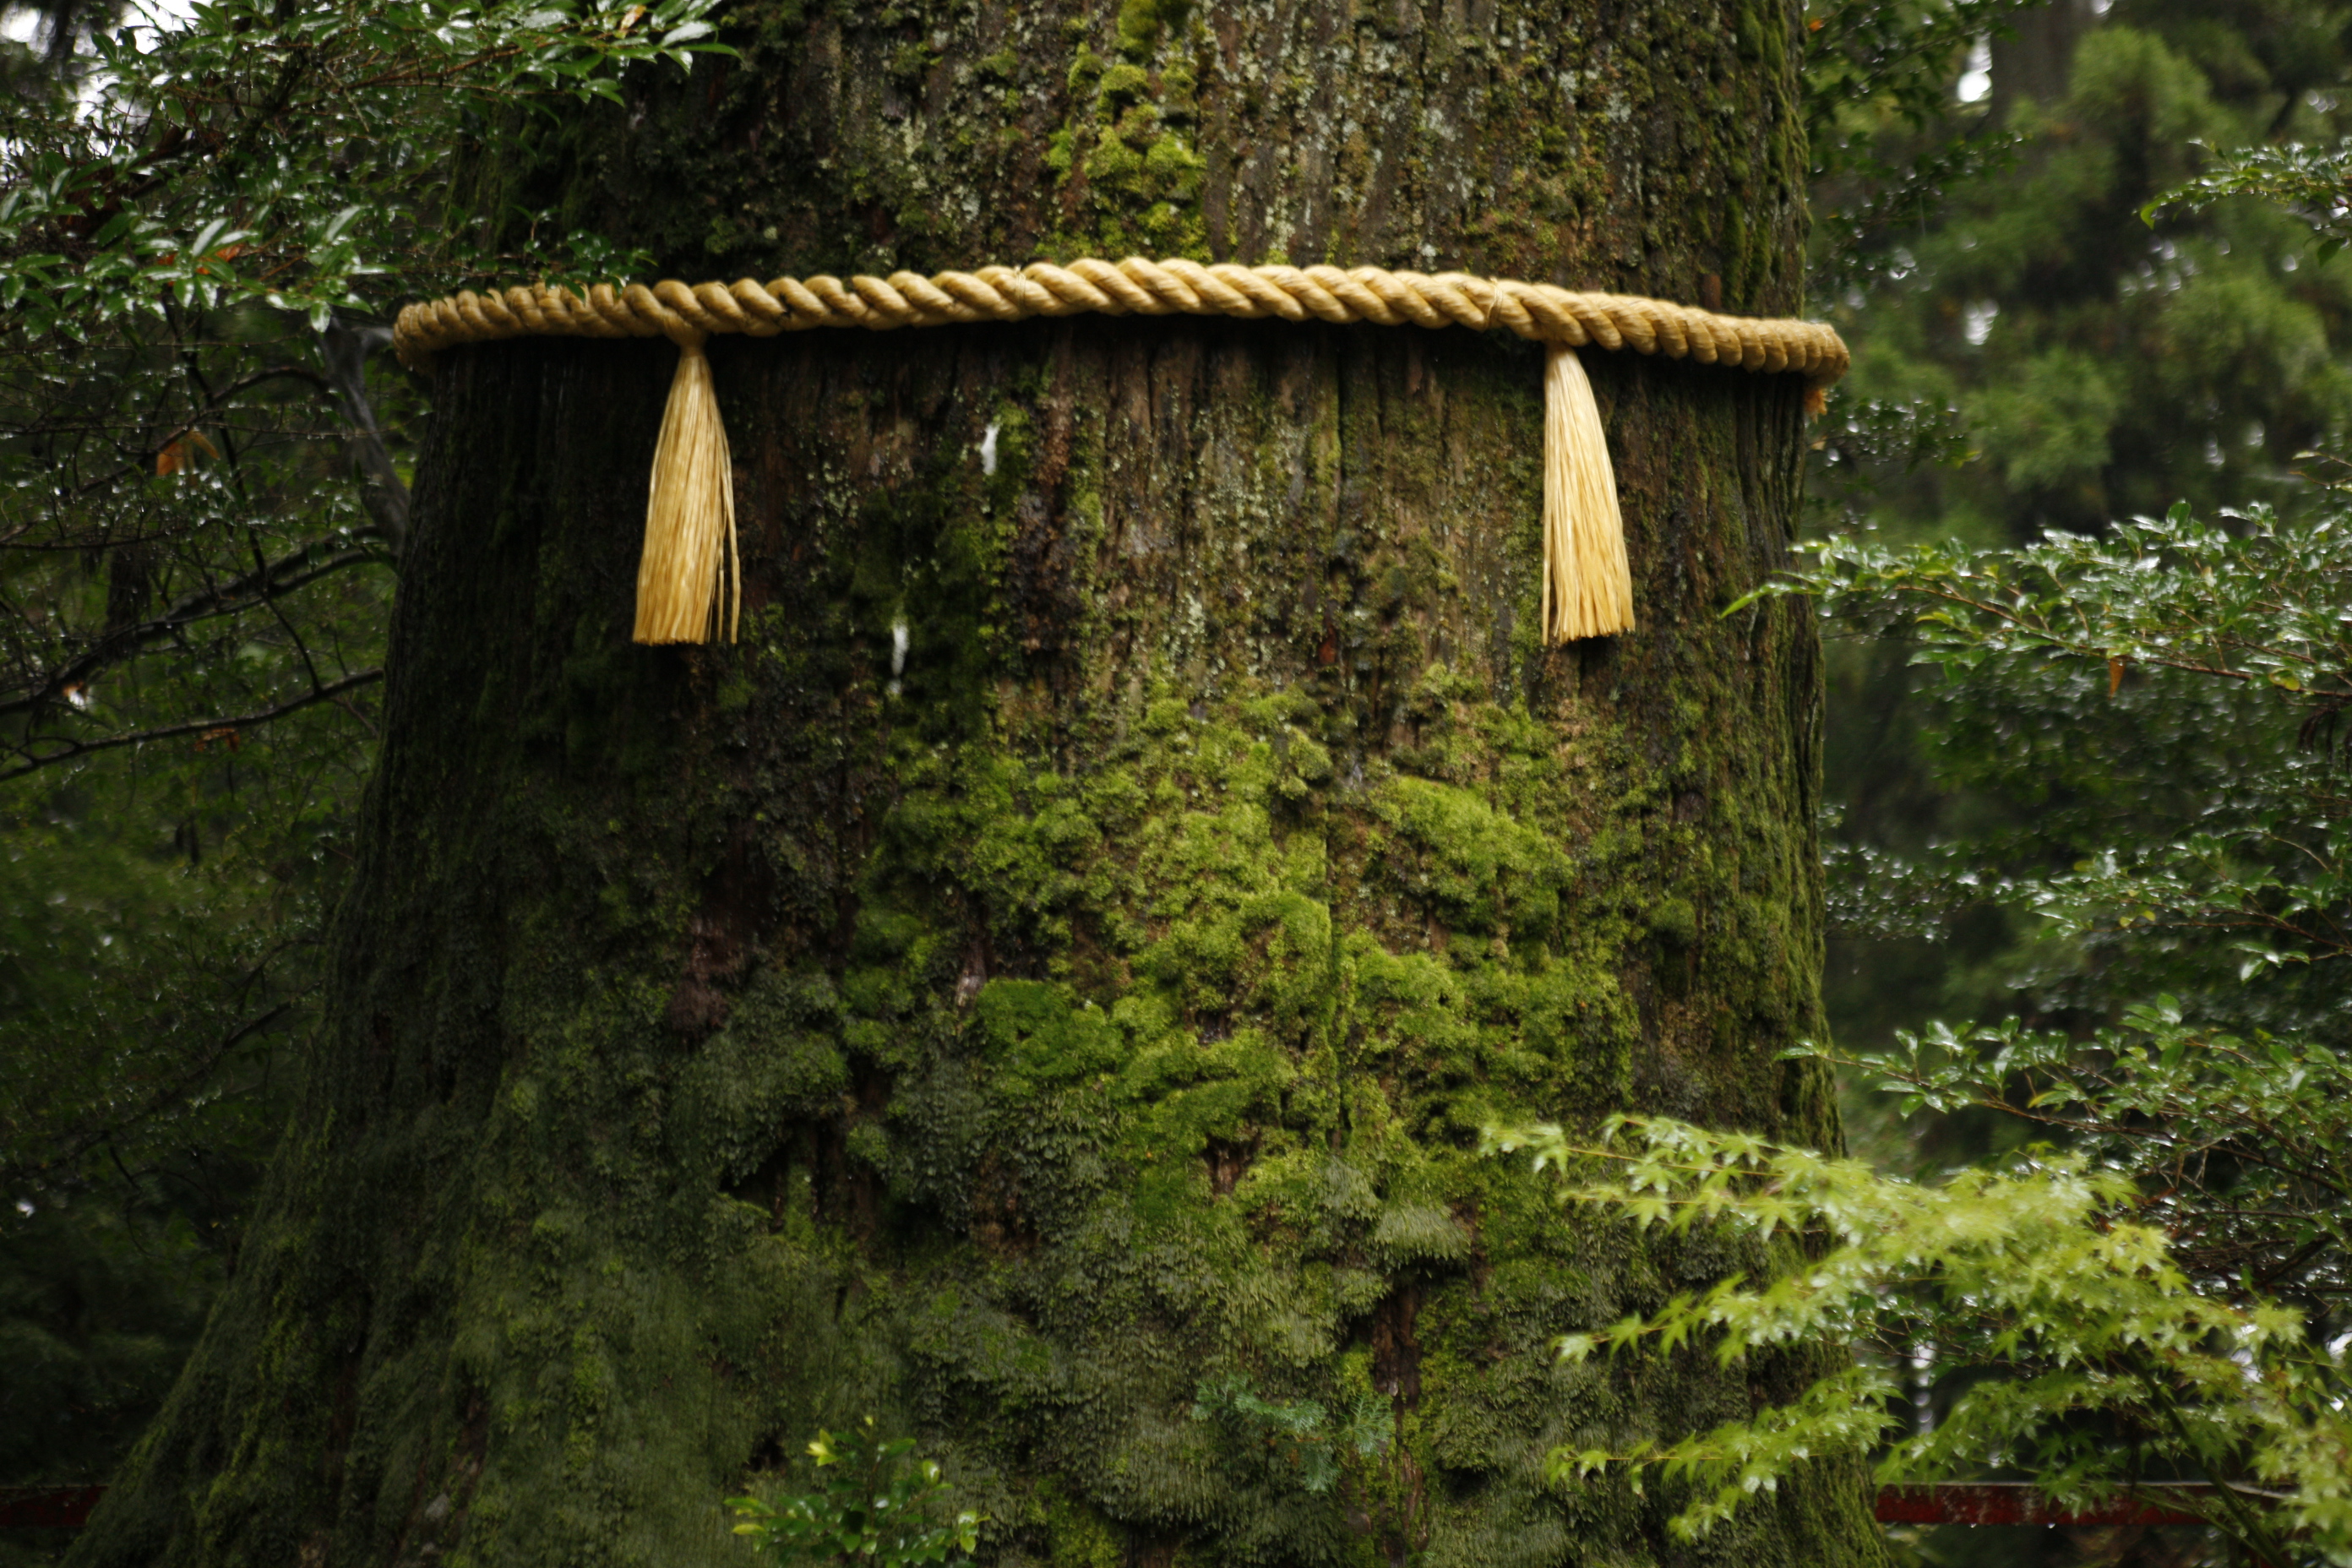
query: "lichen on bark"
1060, 959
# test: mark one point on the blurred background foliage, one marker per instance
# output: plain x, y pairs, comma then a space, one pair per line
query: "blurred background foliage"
2045, 342
202, 504
182, 543
2030, 354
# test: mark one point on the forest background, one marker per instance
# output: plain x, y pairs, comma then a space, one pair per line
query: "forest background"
2034, 818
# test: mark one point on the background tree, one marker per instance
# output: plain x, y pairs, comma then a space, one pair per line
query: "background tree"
1063, 953
2030, 355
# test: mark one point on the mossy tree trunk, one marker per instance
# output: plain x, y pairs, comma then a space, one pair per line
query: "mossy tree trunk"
1062, 958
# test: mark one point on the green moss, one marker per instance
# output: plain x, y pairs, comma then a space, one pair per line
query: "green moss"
1081, 1537
909, 61
1173, 167
1675, 921
1123, 84
1143, 22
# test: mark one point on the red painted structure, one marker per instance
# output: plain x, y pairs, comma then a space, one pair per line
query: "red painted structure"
46, 1507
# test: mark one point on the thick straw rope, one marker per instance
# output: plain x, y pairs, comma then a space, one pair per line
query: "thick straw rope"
1587, 584
684, 312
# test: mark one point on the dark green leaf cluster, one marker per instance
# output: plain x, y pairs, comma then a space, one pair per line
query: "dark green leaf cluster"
1895, 61
2235, 1146
2314, 183
2207, 836
2249, 603
189, 253
289, 154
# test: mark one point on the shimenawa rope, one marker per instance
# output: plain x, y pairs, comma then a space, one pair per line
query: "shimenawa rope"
689, 581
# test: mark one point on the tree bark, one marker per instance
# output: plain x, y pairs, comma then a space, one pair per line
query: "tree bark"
1056, 966
2033, 55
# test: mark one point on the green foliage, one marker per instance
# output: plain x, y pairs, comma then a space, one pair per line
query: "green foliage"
2032, 355
194, 470
2230, 645
2096, 366
2162, 1295
873, 1509
2211, 863
101, 1290
158, 947
2114, 803
2038, 1270
1885, 144
1895, 63
150, 992
2235, 1146
2176, 593
1318, 1442
274, 154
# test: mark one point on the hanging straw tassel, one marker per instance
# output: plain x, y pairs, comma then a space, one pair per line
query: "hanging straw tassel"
689, 556
1588, 587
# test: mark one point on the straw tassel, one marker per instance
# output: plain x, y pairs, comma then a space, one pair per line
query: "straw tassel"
689, 580
1588, 587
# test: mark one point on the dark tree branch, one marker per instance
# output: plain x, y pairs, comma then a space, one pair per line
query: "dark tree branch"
70, 749
251, 591
90, 1134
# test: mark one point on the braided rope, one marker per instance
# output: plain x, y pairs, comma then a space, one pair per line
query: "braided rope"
687, 313
690, 516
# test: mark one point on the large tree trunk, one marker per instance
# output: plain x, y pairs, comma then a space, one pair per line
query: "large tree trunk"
1063, 956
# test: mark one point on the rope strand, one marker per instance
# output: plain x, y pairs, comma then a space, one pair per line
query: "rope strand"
1134, 286
689, 581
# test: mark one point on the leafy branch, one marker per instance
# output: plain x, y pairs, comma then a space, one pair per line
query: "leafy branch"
2315, 183
2232, 1143
2038, 1269
164, 196
37, 751
2173, 593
